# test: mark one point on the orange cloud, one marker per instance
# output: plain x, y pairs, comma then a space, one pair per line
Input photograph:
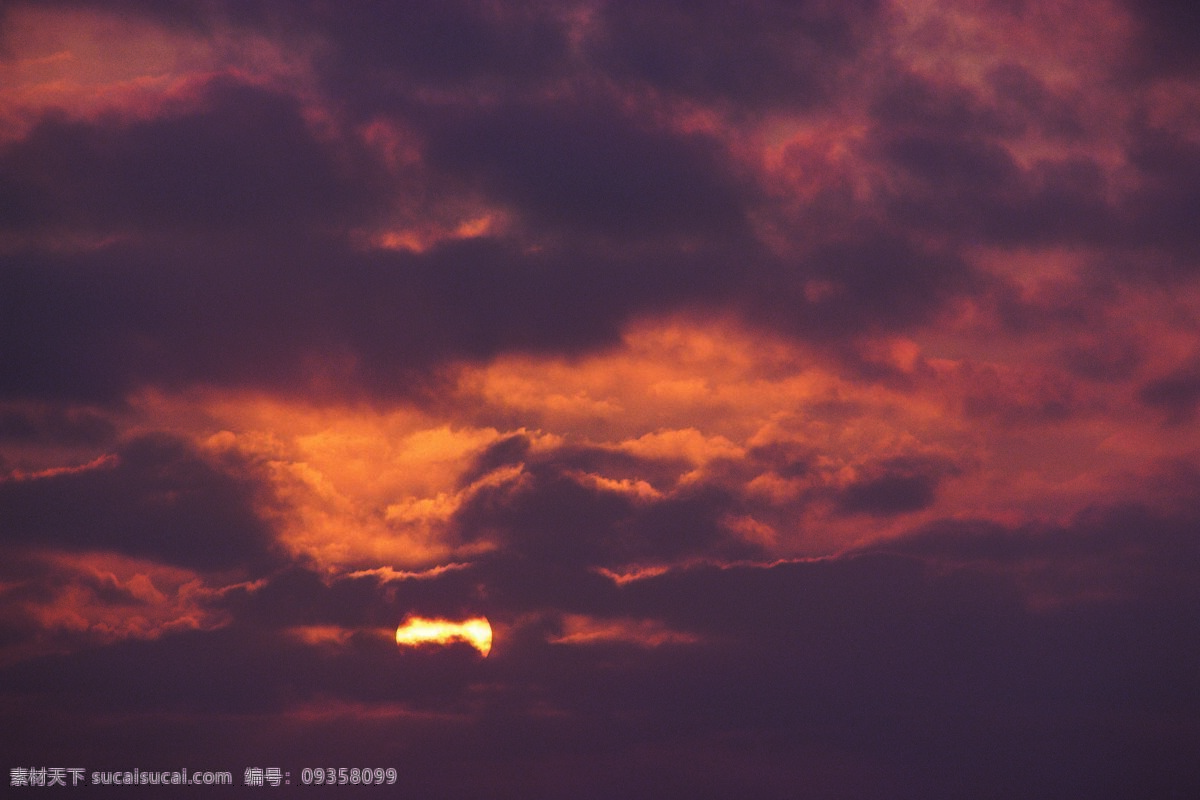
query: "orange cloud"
88, 63
579, 629
331, 635
107, 597
359, 488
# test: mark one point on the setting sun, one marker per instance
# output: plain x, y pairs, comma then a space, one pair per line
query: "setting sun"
476, 632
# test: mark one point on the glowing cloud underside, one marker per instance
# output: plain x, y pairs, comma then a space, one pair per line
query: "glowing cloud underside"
416, 631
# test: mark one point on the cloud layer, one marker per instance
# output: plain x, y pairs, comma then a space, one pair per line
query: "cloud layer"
803, 391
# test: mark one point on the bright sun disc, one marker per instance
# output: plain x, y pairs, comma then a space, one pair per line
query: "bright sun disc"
476, 632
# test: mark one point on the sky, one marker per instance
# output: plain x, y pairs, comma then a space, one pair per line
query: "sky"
806, 394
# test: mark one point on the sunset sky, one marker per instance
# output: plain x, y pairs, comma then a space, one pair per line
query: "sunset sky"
806, 393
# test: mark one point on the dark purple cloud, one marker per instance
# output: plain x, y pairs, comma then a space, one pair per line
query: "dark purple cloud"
240, 158
157, 499
1023, 101
590, 168
958, 173
96, 325
551, 515
43, 424
922, 669
383, 51
1162, 45
893, 491
1162, 209
866, 280
276, 312
760, 55
1176, 394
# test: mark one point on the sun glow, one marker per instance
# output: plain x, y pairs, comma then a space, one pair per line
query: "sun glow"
416, 631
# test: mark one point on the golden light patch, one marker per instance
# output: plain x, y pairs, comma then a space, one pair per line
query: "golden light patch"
416, 631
